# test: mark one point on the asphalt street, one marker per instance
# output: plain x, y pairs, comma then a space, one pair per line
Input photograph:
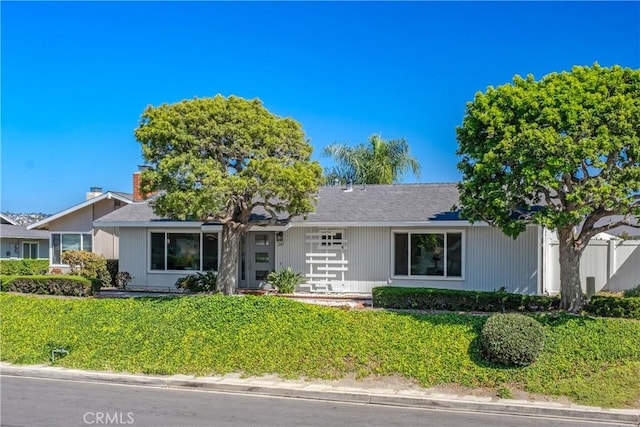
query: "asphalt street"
49, 402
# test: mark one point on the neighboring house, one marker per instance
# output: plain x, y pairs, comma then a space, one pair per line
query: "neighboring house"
16, 242
625, 231
72, 229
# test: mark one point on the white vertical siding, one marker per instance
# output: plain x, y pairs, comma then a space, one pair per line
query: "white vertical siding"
494, 260
133, 254
491, 260
291, 252
368, 251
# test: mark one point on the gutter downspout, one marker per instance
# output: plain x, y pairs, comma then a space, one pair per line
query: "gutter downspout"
540, 277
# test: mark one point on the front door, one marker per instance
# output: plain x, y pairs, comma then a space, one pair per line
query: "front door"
258, 251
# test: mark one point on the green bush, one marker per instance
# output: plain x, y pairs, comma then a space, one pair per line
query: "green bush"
122, 279
512, 339
285, 280
608, 306
112, 268
456, 300
52, 285
87, 264
199, 282
633, 292
23, 267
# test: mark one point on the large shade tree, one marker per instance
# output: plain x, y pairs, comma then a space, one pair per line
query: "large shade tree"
377, 162
562, 152
224, 159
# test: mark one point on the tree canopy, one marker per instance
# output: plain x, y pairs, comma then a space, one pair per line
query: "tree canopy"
562, 152
222, 159
377, 162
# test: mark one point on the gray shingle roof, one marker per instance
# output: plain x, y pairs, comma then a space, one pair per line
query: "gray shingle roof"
133, 212
373, 203
385, 203
19, 232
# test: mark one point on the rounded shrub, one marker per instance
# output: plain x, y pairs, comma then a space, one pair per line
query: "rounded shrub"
512, 339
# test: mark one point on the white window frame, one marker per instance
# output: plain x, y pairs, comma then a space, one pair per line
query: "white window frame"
181, 231
29, 242
81, 233
409, 231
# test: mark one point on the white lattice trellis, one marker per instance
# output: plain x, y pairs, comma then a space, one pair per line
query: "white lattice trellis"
326, 260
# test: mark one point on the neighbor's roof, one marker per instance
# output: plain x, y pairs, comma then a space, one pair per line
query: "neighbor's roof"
124, 197
19, 232
400, 204
6, 220
619, 230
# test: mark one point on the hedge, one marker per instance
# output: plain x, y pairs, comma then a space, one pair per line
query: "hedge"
51, 285
607, 306
23, 267
456, 300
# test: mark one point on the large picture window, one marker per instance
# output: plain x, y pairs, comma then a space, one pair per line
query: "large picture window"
428, 254
184, 251
62, 242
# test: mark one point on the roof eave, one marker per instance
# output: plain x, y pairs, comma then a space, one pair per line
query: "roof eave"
107, 195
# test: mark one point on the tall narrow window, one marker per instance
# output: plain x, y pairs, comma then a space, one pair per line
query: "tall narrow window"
56, 247
401, 254
158, 251
210, 251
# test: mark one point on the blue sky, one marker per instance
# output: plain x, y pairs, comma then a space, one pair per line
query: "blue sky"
75, 76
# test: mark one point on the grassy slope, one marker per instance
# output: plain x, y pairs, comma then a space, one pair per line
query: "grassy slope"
592, 361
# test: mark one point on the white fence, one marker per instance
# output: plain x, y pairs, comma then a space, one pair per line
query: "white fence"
615, 265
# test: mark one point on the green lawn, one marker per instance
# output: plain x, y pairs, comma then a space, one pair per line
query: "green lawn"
591, 361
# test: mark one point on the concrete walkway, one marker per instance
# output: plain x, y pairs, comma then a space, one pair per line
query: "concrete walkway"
422, 398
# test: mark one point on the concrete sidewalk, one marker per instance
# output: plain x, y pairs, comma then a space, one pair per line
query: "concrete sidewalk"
308, 390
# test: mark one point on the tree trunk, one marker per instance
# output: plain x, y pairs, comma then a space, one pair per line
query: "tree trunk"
571, 297
228, 273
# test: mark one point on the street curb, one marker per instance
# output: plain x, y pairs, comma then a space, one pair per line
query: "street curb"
327, 393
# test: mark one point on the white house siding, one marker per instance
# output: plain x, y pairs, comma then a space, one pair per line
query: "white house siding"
368, 250
133, 255
495, 260
290, 252
614, 264
491, 260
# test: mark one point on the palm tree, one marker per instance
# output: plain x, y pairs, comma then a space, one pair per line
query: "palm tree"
377, 162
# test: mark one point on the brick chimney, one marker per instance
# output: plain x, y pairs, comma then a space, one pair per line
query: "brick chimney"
138, 196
